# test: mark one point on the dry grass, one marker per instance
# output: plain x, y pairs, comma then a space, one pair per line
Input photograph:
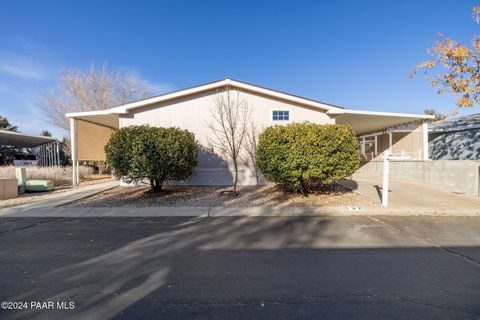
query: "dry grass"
59, 175
196, 196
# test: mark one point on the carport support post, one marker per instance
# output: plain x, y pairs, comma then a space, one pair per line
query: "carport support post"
386, 168
57, 150
425, 139
73, 150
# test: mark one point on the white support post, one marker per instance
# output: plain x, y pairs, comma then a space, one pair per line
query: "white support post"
362, 147
73, 150
386, 169
390, 142
58, 154
50, 154
425, 140
78, 172
54, 152
43, 155
376, 150
55, 159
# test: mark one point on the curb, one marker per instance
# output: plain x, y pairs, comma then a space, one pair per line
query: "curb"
204, 212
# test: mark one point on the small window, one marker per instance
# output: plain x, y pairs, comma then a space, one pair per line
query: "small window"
278, 115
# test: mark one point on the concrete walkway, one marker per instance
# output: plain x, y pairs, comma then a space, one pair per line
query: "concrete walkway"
144, 212
406, 199
56, 200
409, 195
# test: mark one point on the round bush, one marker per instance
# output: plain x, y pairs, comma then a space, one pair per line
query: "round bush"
137, 153
301, 155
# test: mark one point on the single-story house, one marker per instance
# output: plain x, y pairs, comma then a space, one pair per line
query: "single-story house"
191, 109
455, 139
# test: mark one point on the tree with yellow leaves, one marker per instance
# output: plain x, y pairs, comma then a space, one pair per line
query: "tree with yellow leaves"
457, 68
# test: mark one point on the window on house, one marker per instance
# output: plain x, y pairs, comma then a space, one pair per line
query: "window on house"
278, 115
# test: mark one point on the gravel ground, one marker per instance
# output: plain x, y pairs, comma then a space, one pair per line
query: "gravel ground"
30, 197
200, 196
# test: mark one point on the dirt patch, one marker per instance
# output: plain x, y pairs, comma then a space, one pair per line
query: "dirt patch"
211, 196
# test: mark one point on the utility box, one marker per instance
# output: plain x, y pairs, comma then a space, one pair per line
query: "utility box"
8, 188
39, 185
21, 174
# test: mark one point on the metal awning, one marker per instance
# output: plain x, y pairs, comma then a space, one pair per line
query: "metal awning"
370, 121
104, 118
20, 140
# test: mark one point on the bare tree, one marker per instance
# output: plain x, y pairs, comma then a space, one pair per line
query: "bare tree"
251, 141
94, 89
230, 115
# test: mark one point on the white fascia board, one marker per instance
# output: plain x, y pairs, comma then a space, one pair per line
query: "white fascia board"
168, 96
218, 84
389, 114
281, 95
88, 113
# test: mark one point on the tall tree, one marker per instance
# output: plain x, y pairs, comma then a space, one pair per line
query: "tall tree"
46, 133
5, 125
90, 90
438, 116
455, 68
230, 115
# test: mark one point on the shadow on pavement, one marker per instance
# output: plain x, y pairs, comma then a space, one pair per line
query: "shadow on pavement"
310, 267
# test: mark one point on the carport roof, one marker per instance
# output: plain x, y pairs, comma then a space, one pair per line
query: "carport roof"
9, 138
369, 121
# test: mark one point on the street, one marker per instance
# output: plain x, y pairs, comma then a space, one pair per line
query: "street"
241, 267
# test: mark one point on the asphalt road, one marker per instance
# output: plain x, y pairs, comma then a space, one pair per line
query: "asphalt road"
241, 268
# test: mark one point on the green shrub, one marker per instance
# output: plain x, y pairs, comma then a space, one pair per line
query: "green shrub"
301, 155
137, 153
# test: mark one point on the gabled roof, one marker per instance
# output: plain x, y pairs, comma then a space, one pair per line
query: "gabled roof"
361, 121
212, 86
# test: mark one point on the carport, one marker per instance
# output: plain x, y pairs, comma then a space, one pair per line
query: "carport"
403, 134
89, 133
47, 149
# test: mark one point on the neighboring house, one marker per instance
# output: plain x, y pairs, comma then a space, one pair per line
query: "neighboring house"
23, 149
190, 109
455, 139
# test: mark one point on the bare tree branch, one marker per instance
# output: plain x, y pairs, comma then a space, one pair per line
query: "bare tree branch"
94, 89
249, 160
229, 115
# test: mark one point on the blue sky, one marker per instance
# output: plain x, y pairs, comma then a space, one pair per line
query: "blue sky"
355, 54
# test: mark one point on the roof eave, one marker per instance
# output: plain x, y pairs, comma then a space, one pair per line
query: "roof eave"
221, 83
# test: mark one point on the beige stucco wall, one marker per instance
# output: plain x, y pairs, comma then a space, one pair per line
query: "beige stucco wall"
193, 113
91, 139
8, 188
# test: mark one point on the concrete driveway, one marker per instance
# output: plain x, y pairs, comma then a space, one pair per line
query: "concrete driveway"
415, 195
243, 267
